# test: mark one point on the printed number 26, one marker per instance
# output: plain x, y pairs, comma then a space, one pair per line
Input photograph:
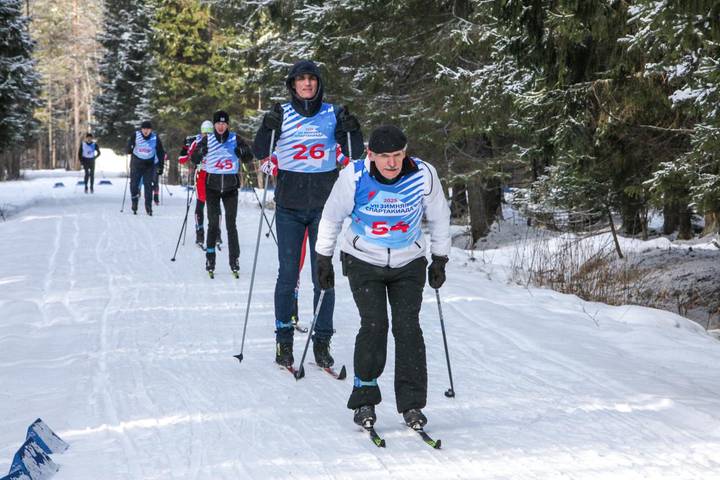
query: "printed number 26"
316, 151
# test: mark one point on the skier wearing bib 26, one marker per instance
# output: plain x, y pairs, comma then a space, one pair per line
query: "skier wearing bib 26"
307, 133
222, 151
87, 153
145, 147
383, 255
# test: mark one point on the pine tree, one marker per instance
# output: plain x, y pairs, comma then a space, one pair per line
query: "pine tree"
19, 89
127, 69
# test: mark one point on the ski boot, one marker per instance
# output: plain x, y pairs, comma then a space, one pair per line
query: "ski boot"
92, 190
200, 238
284, 354
86, 189
321, 349
134, 206
414, 418
365, 416
235, 267
156, 198
148, 211
210, 263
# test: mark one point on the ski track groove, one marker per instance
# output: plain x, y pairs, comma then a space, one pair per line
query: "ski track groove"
101, 381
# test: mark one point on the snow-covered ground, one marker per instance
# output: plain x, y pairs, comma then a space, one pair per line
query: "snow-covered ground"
129, 358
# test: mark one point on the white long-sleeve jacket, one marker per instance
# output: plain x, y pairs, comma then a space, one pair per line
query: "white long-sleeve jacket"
341, 204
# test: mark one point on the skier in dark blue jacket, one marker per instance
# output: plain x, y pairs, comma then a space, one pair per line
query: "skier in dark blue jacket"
144, 146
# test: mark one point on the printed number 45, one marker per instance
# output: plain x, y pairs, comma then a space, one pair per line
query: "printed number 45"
381, 228
223, 164
316, 151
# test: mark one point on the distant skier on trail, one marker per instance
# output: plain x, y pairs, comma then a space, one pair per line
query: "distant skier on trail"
222, 151
87, 153
144, 146
307, 134
383, 255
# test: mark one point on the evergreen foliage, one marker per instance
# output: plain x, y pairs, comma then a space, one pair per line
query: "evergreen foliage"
20, 85
127, 69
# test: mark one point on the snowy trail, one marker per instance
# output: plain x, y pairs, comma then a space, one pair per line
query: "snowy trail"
128, 356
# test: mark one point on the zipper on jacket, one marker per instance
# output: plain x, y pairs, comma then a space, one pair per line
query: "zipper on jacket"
388, 262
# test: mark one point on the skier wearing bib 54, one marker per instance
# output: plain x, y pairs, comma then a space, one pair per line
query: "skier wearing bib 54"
307, 135
222, 152
383, 255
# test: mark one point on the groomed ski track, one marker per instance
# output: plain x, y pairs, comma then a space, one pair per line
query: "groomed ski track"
129, 358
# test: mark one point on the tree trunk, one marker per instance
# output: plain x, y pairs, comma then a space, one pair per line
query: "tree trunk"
459, 201
712, 222
614, 234
484, 200
685, 224
671, 219
73, 161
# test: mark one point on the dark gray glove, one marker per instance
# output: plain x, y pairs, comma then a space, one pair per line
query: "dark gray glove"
436, 271
325, 272
273, 119
346, 122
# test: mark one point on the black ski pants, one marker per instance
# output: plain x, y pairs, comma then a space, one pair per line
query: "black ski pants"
230, 203
372, 287
144, 169
88, 165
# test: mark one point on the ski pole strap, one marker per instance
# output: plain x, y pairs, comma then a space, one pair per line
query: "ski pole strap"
279, 324
361, 383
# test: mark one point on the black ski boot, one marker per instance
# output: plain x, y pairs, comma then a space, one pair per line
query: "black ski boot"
156, 198
284, 354
149, 211
321, 349
200, 237
134, 206
414, 418
210, 263
235, 267
365, 416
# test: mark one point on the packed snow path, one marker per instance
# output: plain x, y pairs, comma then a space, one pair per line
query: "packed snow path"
129, 358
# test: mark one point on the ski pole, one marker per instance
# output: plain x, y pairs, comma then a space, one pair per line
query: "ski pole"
183, 228
450, 392
257, 248
127, 184
272, 222
300, 373
247, 177
295, 314
2, 214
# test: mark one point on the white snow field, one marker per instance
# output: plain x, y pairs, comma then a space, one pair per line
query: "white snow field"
129, 358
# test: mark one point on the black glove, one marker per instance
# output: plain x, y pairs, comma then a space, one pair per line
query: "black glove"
245, 153
346, 122
273, 119
325, 272
436, 271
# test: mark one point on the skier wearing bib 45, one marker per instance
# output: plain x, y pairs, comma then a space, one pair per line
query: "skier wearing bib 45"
383, 255
307, 135
222, 151
145, 147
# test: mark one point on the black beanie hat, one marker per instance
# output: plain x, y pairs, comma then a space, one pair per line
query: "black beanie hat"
146, 124
387, 138
221, 116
